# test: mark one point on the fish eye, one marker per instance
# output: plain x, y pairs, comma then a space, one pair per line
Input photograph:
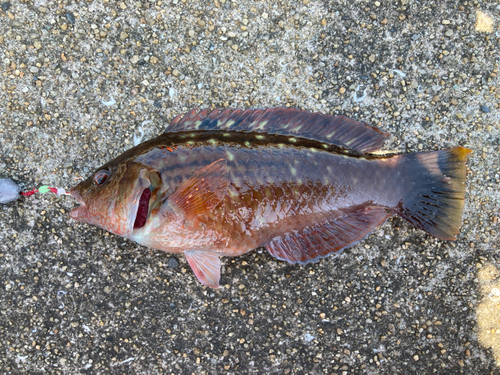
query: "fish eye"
101, 177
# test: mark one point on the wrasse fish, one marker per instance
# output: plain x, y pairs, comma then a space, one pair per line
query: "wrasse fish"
304, 185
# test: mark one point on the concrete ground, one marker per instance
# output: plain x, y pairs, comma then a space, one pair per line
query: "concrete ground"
79, 80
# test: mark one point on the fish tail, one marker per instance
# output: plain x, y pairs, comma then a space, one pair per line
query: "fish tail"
435, 201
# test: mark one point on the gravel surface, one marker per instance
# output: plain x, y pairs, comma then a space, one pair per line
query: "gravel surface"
80, 81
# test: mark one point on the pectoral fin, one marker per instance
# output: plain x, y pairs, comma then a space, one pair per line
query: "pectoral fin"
206, 267
201, 192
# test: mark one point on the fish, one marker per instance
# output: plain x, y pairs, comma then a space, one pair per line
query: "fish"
304, 185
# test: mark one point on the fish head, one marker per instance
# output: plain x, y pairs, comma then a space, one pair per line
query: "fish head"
115, 197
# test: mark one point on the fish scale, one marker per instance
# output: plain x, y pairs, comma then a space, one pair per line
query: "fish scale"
223, 182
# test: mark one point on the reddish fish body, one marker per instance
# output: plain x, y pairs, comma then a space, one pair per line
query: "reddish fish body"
303, 185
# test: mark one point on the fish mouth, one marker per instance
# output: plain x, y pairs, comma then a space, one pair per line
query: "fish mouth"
143, 208
75, 194
76, 212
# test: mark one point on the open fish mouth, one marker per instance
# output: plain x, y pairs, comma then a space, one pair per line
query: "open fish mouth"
75, 194
143, 208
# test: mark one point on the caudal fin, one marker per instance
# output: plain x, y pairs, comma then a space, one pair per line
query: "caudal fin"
436, 200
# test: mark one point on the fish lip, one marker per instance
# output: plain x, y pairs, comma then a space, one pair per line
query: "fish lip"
75, 194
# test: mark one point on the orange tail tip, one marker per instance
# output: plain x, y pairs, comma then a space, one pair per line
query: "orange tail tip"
461, 153
436, 200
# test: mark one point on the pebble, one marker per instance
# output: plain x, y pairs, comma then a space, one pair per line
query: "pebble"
34, 69
342, 90
172, 262
134, 59
371, 58
71, 17
485, 109
449, 33
6, 6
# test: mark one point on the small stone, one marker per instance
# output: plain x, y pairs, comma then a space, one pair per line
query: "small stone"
122, 5
74, 324
123, 35
445, 22
415, 357
264, 15
484, 22
37, 44
449, 33
107, 289
175, 72
6, 6
371, 58
70, 17
191, 33
342, 90
201, 23
172, 262
436, 98
34, 69
153, 60
454, 101
377, 3
485, 109
134, 59
231, 34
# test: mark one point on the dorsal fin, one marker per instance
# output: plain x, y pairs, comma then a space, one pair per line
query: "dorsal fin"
313, 243
336, 130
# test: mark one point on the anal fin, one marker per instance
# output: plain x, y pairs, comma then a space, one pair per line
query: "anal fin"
206, 267
317, 241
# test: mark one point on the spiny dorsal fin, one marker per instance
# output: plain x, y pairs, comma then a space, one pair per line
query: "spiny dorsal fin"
313, 243
336, 130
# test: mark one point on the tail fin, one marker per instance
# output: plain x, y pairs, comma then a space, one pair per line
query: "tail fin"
436, 200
